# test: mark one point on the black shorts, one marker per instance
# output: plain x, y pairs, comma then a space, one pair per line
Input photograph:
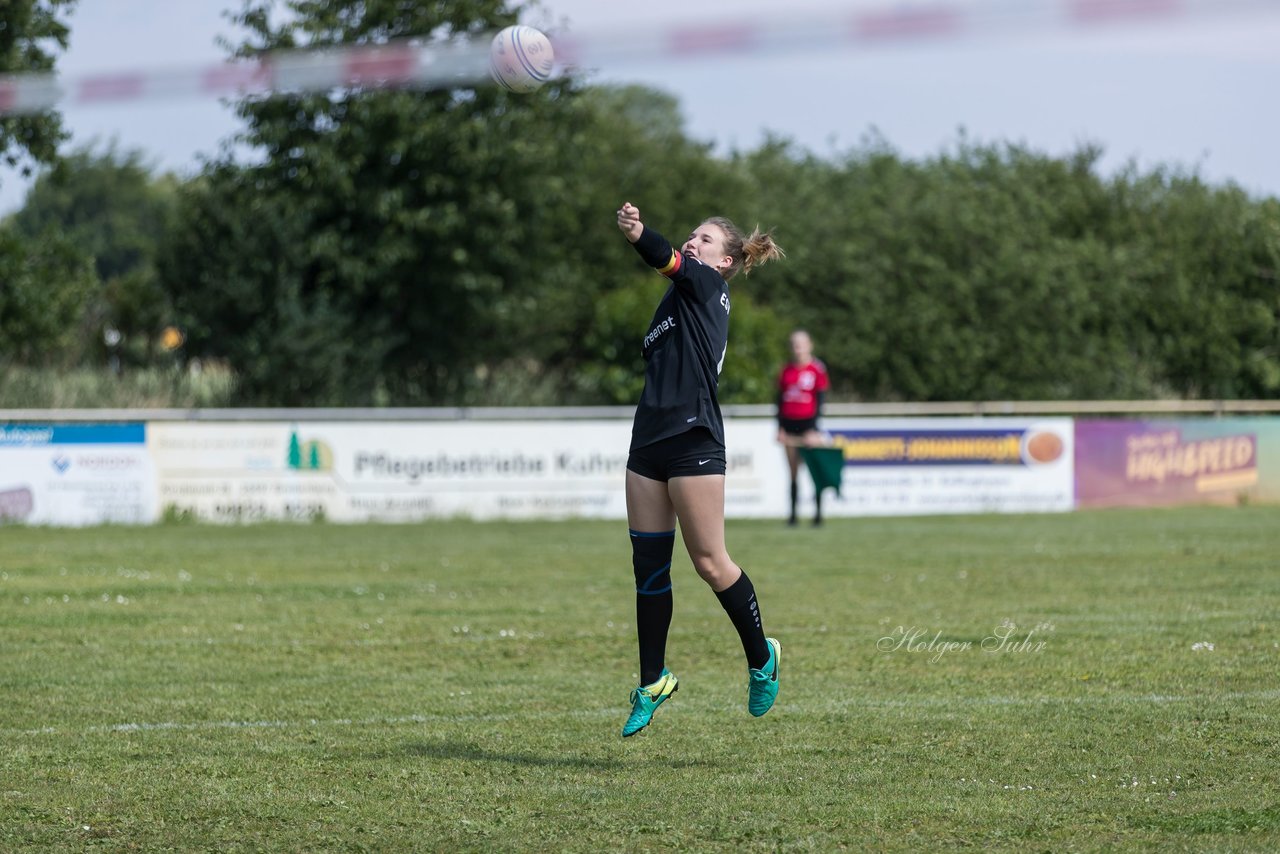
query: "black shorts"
689, 454
798, 426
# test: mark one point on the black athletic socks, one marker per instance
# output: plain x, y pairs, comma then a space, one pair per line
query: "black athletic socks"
739, 602
651, 560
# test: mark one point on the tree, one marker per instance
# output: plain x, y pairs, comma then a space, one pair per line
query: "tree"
418, 247
458, 247
30, 32
114, 211
44, 285
1205, 310
383, 234
993, 272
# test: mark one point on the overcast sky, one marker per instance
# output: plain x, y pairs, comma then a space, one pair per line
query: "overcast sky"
1199, 94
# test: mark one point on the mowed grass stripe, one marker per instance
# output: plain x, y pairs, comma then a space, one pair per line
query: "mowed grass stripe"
1250, 697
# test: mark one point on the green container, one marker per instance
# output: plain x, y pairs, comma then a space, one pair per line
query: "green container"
826, 466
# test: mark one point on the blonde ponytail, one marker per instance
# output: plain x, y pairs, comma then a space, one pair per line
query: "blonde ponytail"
758, 249
747, 252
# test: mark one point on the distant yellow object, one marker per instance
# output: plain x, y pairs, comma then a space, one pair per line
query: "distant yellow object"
171, 338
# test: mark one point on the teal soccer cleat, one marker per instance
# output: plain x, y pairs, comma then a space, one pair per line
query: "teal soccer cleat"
762, 688
646, 699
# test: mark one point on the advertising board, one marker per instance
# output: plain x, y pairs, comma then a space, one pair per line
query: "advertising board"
76, 474
912, 466
1177, 461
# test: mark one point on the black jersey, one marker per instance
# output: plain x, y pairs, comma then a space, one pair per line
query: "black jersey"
684, 347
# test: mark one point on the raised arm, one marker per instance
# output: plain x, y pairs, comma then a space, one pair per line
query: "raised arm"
629, 221
652, 246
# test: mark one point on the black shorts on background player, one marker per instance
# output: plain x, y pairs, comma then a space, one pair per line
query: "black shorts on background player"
798, 426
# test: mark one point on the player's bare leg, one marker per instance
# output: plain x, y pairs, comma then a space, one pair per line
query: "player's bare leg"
793, 463
699, 505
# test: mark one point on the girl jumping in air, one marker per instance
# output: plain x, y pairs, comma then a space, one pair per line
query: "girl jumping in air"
676, 467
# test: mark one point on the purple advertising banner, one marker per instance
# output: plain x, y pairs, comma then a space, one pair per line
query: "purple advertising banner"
1162, 462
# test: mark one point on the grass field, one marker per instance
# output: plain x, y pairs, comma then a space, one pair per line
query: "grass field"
461, 687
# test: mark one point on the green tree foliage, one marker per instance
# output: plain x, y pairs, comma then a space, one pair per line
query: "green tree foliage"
389, 242
459, 247
31, 31
113, 210
425, 247
1205, 263
43, 282
44, 286
996, 273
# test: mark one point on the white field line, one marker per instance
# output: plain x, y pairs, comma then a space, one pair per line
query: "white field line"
823, 708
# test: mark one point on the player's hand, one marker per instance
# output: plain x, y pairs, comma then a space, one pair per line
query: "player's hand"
629, 221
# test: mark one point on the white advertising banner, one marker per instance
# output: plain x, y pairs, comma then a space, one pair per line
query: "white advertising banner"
76, 474
348, 472
919, 466
407, 471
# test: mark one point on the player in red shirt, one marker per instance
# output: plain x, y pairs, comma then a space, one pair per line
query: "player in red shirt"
802, 386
